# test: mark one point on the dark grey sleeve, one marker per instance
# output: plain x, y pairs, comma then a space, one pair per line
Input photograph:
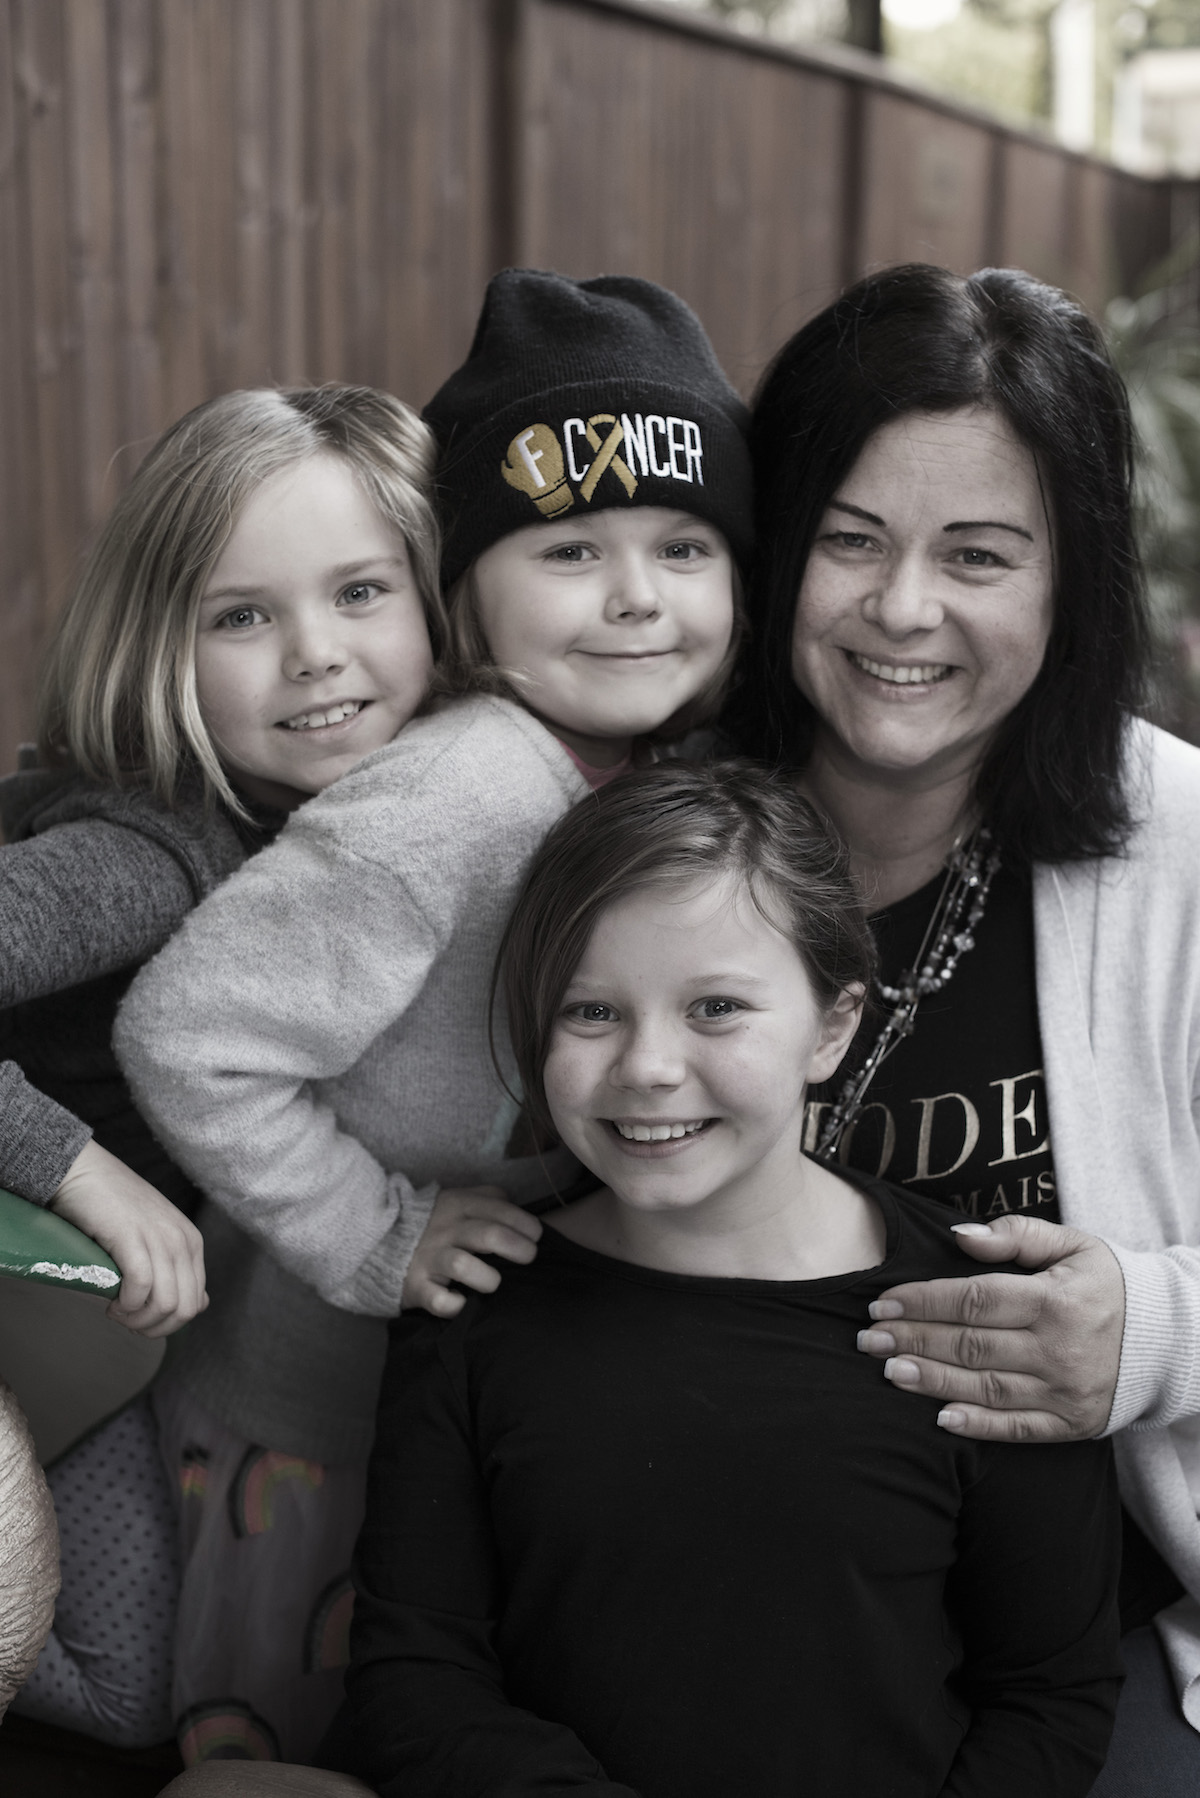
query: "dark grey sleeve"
82, 900
38, 1139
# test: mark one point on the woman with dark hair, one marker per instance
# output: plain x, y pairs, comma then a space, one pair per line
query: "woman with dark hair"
950, 645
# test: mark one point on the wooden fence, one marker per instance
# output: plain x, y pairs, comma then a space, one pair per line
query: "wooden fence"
204, 194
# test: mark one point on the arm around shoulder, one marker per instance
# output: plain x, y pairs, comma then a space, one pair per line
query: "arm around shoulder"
281, 979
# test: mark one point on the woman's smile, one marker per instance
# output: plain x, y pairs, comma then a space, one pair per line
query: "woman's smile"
901, 674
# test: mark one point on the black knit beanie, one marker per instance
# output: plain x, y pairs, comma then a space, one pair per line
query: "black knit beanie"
582, 395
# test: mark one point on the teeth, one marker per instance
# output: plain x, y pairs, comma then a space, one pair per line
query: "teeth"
657, 1132
314, 720
902, 676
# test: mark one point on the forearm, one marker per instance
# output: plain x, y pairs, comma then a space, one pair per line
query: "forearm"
273, 1158
1042, 1745
1034, 1590
39, 1140
442, 1729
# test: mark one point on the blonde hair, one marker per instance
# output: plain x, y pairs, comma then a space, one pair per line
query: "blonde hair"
117, 700
468, 665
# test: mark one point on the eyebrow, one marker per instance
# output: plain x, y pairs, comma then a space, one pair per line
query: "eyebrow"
989, 524
968, 524
342, 572
843, 505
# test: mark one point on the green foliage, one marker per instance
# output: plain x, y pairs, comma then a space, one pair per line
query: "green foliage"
765, 10
994, 54
1155, 342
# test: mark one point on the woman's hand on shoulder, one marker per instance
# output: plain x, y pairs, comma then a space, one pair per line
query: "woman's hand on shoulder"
466, 1222
159, 1251
1014, 1358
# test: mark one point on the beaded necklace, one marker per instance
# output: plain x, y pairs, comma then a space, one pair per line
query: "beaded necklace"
950, 933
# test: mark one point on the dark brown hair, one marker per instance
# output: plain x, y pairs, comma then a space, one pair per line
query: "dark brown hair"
671, 826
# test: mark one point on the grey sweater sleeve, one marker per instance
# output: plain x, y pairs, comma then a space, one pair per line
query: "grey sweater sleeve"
38, 1139
82, 900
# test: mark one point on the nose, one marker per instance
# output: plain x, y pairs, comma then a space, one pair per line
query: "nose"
650, 1059
313, 647
903, 598
633, 592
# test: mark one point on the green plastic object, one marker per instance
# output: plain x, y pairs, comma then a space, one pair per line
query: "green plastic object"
37, 1245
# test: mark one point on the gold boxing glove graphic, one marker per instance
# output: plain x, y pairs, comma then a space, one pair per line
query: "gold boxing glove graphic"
534, 465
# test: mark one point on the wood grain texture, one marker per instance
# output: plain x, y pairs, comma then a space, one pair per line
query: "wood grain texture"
204, 194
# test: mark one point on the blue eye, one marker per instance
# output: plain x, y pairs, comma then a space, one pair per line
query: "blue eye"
359, 593
242, 618
981, 558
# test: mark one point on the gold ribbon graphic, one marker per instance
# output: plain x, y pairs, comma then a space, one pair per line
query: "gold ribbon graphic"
606, 456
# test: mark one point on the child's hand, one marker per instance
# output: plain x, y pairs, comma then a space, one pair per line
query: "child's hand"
159, 1251
466, 1218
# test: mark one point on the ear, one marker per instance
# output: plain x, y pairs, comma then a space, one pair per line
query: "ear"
841, 1021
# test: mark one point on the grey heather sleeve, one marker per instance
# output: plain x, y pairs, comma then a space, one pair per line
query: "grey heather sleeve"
38, 1139
82, 900
226, 1036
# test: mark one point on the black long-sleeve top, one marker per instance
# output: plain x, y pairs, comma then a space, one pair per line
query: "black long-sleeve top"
638, 1532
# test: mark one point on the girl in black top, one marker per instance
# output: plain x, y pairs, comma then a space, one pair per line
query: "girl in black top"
644, 1521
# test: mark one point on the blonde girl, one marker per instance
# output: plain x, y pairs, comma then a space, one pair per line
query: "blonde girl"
176, 732
314, 1046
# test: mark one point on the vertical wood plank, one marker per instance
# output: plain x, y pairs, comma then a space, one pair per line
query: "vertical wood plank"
289, 100
255, 360
39, 62
20, 571
137, 151
93, 250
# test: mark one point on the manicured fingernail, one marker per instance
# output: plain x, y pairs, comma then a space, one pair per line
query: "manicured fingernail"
952, 1420
971, 1229
883, 1310
902, 1373
877, 1342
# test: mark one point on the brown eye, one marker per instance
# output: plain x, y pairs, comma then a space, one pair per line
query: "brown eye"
591, 1012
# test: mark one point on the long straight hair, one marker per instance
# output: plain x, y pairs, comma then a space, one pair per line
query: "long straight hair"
918, 339
117, 700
